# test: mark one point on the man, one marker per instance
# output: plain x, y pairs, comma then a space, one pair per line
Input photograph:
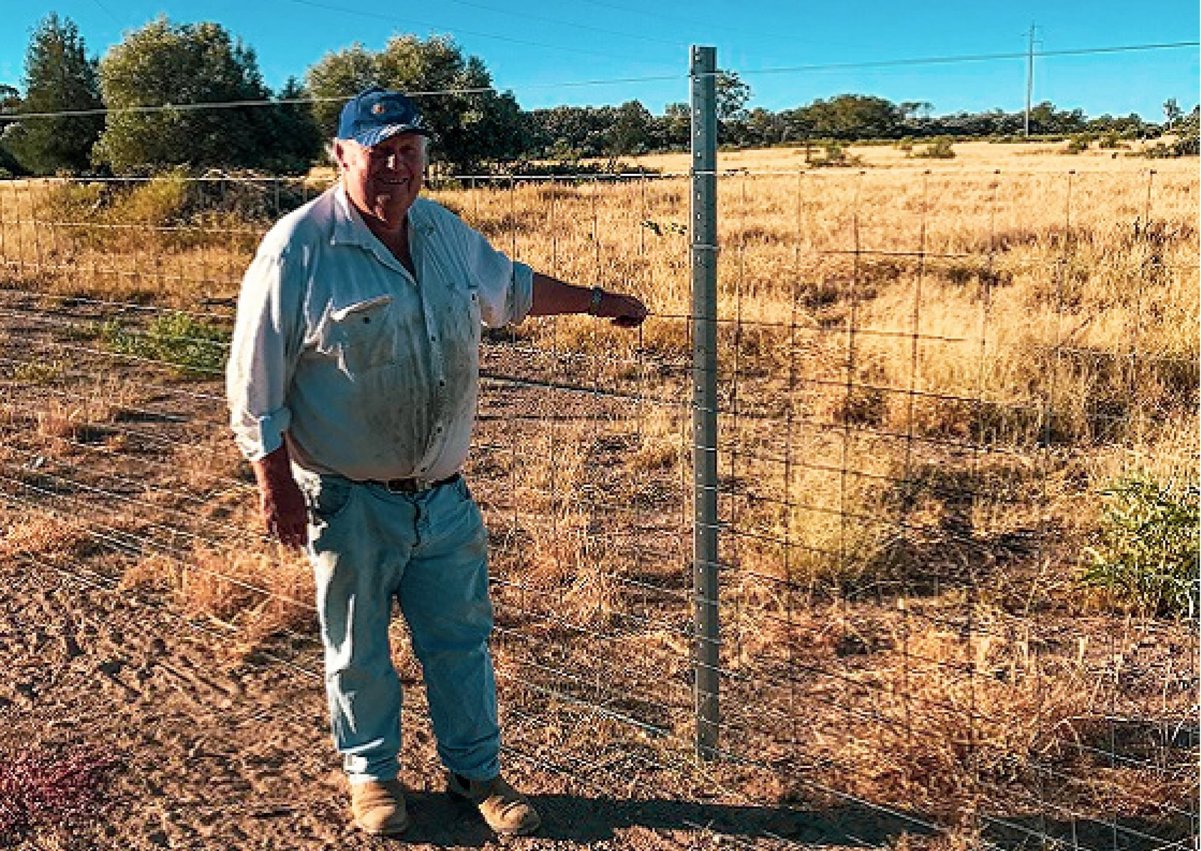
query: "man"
352, 386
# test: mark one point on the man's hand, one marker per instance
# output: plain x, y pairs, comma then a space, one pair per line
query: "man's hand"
625, 311
285, 515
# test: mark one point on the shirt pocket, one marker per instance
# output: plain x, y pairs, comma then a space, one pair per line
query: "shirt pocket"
361, 335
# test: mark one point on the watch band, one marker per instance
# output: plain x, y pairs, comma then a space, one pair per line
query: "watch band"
594, 302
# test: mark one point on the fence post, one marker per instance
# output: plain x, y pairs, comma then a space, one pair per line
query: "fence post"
704, 405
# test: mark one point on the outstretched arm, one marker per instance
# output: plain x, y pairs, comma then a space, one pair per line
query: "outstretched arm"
553, 297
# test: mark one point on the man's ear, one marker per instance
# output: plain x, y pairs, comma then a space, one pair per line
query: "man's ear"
339, 152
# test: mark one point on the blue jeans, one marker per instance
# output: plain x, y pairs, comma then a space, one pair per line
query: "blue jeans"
429, 551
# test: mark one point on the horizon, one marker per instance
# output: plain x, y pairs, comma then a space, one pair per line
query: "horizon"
957, 60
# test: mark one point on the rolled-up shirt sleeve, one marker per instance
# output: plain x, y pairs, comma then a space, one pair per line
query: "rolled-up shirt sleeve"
506, 287
263, 354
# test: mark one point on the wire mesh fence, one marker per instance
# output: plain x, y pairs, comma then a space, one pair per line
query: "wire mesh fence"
929, 380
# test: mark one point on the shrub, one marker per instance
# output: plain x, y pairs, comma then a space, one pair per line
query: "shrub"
161, 201
1077, 144
1147, 550
833, 154
938, 149
71, 201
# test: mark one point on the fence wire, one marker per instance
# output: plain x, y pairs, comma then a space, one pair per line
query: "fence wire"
927, 380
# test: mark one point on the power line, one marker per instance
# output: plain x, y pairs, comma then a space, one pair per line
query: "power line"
407, 21
228, 104
725, 28
586, 27
609, 81
107, 11
976, 57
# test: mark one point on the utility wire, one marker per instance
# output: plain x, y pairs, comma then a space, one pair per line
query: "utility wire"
609, 81
971, 57
408, 22
726, 29
513, 13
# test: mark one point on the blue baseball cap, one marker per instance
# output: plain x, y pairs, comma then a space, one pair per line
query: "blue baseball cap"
373, 115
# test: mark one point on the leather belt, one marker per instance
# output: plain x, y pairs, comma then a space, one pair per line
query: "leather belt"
414, 485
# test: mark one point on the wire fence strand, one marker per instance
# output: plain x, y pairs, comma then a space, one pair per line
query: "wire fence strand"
926, 392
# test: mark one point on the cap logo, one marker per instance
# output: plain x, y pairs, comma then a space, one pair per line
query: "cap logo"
377, 108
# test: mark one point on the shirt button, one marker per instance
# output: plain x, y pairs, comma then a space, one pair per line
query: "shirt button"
433, 338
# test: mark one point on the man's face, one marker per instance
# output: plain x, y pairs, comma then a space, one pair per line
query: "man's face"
383, 180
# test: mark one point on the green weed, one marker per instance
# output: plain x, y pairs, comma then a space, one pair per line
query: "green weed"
1147, 552
189, 346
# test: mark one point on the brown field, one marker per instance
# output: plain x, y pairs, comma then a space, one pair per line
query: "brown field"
930, 372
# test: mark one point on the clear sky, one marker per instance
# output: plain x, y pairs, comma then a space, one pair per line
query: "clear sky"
553, 53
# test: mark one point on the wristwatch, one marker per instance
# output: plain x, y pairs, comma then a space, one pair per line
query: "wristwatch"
595, 301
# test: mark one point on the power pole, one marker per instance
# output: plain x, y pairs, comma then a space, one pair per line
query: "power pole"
1029, 78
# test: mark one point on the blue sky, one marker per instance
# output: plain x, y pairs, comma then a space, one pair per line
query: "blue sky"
554, 53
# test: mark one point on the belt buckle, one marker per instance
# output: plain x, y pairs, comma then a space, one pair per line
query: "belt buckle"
409, 486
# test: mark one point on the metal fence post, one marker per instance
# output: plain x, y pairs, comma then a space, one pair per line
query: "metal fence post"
704, 387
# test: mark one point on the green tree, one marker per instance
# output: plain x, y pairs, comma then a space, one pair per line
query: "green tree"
1188, 142
10, 104
632, 131
474, 123
851, 116
176, 67
571, 132
59, 77
1045, 118
764, 127
1171, 112
676, 125
10, 100
732, 96
298, 139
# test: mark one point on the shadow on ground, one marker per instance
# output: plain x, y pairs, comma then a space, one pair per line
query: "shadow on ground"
441, 821
1120, 834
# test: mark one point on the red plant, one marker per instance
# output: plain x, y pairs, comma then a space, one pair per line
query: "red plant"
41, 787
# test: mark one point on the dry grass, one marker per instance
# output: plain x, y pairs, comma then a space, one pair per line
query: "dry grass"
39, 533
261, 596
929, 370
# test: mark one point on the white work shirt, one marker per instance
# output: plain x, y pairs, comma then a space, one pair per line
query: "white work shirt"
365, 371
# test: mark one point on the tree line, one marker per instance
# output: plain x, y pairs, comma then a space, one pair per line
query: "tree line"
192, 95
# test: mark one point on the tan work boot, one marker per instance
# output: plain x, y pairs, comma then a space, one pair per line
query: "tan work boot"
379, 806
506, 810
